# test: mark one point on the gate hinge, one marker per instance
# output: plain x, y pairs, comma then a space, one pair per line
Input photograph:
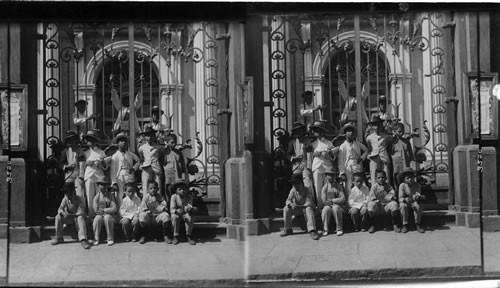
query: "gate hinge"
41, 36
268, 104
41, 111
224, 111
221, 36
449, 25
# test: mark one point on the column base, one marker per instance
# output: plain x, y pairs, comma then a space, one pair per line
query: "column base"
491, 223
467, 219
236, 232
25, 234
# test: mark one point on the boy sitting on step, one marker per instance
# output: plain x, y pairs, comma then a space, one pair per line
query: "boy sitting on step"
409, 198
129, 212
153, 212
71, 211
181, 207
299, 202
105, 208
382, 201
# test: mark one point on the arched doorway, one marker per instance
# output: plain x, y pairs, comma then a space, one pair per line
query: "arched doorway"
339, 75
114, 74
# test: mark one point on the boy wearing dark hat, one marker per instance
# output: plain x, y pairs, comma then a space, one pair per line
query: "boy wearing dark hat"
81, 120
181, 207
402, 153
334, 198
299, 202
94, 166
384, 113
68, 161
71, 211
159, 122
409, 198
105, 208
123, 165
296, 152
307, 110
173, 162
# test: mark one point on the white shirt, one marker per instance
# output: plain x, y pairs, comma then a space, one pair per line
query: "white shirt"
321, 163
130, 207
349, 154
358, 196
81, 123
150, 155
91, 155
307, 111
121, 162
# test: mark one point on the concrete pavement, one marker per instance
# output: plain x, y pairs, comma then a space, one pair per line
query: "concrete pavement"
447, 252
3, 260
444, 252
154, 263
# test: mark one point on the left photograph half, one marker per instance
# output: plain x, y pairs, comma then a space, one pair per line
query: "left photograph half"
124, 145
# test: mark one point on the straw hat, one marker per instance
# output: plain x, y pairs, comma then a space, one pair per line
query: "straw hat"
94, 134
404, 172
349, 125
120, 136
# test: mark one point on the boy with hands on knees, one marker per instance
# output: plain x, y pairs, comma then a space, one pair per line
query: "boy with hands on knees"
153, 212
104, 205
299, 201
382, 201
358, 202
409, 198
334, 198
71, 211
181, 207
129, 212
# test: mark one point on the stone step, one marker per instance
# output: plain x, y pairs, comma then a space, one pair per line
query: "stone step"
201, 229
430, 218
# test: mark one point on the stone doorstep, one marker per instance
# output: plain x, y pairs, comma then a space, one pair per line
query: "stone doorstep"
432, 218
491, 223
47, 232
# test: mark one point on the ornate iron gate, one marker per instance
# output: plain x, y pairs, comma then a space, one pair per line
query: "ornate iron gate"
173, 66
345, 59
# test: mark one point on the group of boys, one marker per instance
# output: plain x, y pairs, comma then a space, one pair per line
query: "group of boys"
90, 194
338, 180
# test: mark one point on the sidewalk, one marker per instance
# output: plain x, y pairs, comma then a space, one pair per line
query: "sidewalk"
217, 260
449, 252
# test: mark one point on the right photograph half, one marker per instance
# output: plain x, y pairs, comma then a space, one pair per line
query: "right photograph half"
373, 140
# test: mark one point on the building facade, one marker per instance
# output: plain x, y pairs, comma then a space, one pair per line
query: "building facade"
231, 90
